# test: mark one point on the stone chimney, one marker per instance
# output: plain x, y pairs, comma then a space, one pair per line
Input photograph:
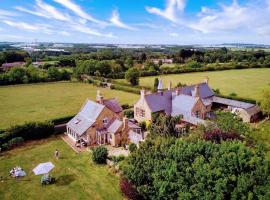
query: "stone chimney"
125, 123
170, 85
206, 80
177, 91
160, 85
197, 91
99, 97
143, 93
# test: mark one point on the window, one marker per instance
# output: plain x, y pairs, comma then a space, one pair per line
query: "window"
197, 114
140, 112
105, 121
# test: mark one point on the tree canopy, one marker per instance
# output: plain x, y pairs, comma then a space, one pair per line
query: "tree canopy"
132, 76
167, 168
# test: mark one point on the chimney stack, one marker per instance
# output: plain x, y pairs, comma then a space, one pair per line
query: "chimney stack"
197, 91
177, 91
125, 123
99, 97
143, 92
206, 80
170, 85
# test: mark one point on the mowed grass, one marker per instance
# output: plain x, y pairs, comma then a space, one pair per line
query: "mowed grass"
246, 83
40, 102
77, 177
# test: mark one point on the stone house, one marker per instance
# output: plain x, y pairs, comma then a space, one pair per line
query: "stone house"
194, 103
102, 122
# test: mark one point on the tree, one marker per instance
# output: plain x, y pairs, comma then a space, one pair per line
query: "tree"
16, 75
100, 155
156, 81
169, 168
132, 147
54, 74
129, 62
265, 101
228, 122
132, 76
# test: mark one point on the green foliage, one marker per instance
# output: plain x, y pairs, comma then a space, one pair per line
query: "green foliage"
193, 64
54, 74
228, 122
117, 159
156, 83
265, 101
132, 76
178, 169
27, 131
129, 113
163, 125
100, 155
132, 147
16, 75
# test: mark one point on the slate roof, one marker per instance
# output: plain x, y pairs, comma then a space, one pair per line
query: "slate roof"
86, 117
193, 120
113, 105
182, 104
160, 102
233, 103
204, 90
253, 110
115, 125
134, 137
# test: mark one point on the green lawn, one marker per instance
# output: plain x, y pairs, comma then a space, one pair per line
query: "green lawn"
76, 176
39, 102
262, 134
244, 82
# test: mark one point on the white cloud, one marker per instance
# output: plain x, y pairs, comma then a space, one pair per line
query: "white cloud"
45, 10
174, 34
7, 13
28, 27
87, 30
171, 11
79, 11
228, 18
115, 20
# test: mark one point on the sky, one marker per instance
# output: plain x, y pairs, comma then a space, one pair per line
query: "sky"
136, 21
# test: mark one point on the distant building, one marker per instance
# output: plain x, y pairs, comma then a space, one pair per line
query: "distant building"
163, 61
8, 66
194, 103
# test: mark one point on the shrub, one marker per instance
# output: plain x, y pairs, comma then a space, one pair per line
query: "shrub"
125, 106
117, 159
132, 76
15, 141
217, 136
100, 155
129, 113
129, 190
132, 147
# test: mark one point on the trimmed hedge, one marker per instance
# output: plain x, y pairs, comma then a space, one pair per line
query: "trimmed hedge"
28, 131
125, 89
62, 120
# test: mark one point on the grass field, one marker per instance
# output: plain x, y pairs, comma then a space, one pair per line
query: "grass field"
76, 176
244, 82
39, 102
262, 135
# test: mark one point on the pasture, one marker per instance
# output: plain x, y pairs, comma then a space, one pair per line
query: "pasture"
43, 101
245, 82
77, 177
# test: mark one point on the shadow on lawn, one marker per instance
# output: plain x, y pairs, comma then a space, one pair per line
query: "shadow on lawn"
64, 180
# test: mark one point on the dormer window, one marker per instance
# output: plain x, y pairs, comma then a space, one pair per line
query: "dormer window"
105, 121
77, 121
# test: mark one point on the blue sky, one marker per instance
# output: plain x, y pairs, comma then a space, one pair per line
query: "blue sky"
136, 21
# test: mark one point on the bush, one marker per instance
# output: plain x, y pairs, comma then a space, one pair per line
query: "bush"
217, 136
169, 168
129, 113
100, 155
15, 141
28, 131
132, 147
117, 159
125, 106
129, 190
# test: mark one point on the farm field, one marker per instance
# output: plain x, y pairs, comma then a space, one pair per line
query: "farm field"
76, 176
40, 102
245, 82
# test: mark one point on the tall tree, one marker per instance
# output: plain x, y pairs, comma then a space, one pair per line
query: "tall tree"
132, 76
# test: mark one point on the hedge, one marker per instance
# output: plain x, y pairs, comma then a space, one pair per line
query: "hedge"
62, 120
125, 89
28, 131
